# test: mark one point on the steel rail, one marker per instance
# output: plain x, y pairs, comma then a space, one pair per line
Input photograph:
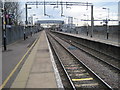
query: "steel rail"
62, 66
90, 70
91, 53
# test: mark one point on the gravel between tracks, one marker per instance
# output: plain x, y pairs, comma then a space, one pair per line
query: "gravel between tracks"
109, 76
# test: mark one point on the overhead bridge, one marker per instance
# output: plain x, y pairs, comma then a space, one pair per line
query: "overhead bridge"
50, 21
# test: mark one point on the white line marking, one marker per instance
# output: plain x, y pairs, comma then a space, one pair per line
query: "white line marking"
57, 76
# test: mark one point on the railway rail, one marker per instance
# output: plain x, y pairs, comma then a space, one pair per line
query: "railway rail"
79, 75
109, 60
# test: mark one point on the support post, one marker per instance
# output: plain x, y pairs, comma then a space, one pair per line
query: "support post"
92, 21
107, 27
44, 9
61, 9
24, 34
87, 30
4, 27
26, 22
4, 40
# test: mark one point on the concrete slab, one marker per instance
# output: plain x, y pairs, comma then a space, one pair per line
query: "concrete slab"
44, 66
38, 71
43, 55
56, 72
41, 80
22, 77
42, 73
11, 57
18, 85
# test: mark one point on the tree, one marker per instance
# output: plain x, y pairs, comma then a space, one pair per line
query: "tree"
12, 9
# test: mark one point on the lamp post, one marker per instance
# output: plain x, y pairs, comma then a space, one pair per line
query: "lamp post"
4, 25
92, 21
36, 24
26, 22
76, 25
32, 22
106, 21
77, 21
33, 18
87, 23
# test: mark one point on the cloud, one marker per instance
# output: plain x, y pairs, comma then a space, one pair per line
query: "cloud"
78, 11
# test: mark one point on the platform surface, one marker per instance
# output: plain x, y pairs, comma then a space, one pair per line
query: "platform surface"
37, 71
114, 43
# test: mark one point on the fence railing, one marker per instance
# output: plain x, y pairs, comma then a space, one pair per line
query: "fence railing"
98, 32
15, 33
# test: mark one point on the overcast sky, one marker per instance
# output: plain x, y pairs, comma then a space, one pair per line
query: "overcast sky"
78, 12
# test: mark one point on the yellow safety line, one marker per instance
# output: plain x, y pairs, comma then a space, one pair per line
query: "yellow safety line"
4, 83
82, 79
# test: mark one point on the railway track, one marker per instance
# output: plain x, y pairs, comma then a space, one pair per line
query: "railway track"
113, 62
80, 76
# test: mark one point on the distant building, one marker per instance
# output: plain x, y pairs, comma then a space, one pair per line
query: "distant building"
119, 12
68, 27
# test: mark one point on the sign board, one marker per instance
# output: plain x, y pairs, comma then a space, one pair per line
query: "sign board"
11, 16
8, 26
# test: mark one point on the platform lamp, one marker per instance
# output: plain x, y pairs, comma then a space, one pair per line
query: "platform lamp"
76, 25
26, 22
87, 22
106, 21
36, 24
32, 23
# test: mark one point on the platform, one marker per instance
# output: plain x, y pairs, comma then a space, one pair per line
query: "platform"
39, 70
94, 39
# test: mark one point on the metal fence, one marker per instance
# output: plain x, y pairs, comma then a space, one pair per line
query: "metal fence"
15, 33
98, 32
